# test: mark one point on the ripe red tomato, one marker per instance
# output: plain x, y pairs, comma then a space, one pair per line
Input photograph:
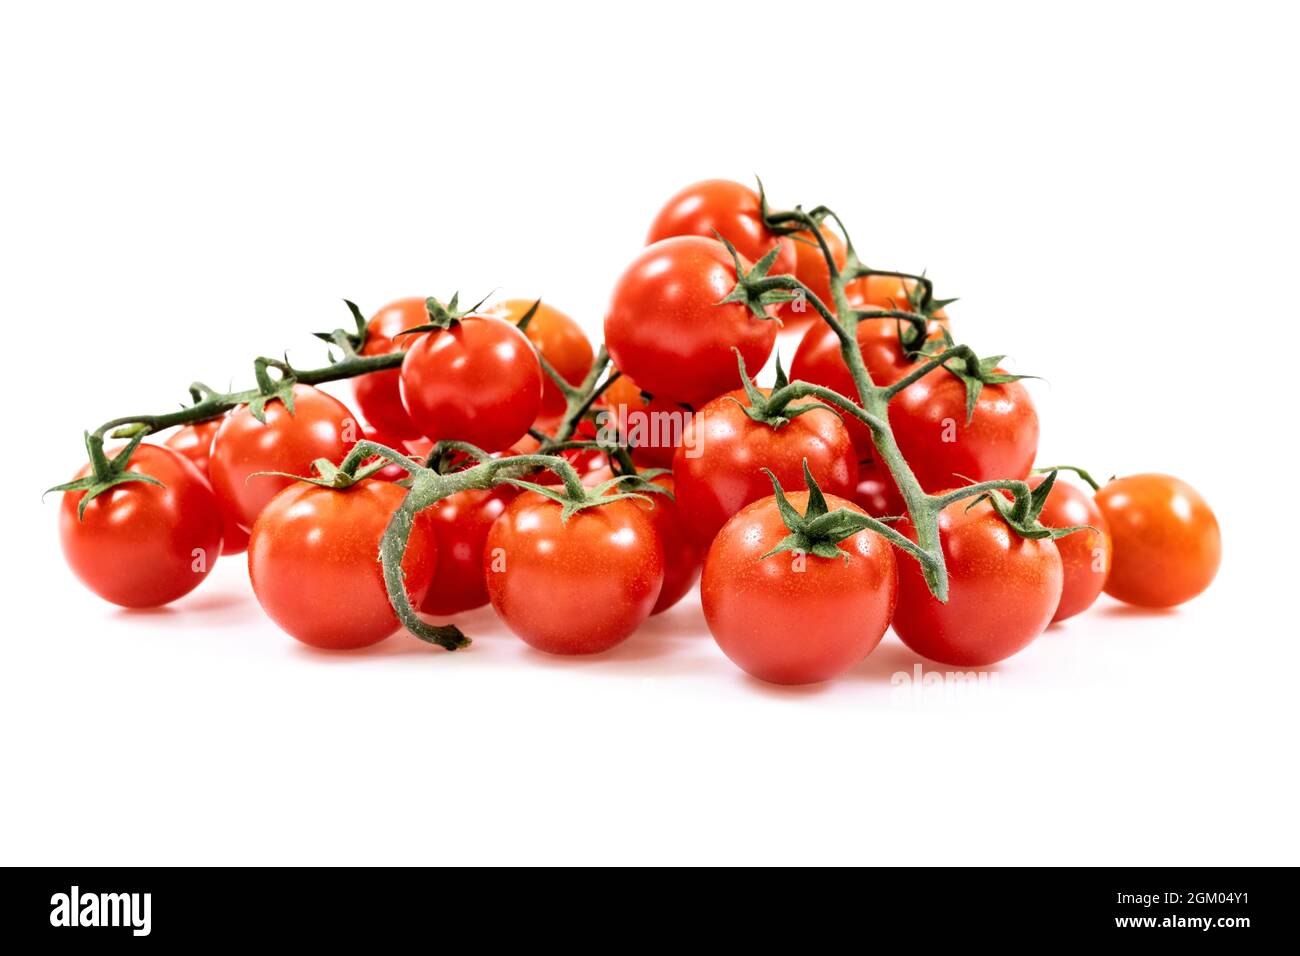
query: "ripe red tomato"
653, 429
929, 423
462, 522
818, 360
1166, 540
719, 467
1003, 590
877, 494
810, 269
314, 562
682, 556
195, 443
791, 618
666, 329
477, 382
378, 393
141, 545
1085, 555
320, 426
561, 342
575, 587
730, 209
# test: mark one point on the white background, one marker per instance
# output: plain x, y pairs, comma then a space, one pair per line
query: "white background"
1111, 191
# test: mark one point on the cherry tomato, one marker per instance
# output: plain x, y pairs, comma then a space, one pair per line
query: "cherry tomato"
1002, 590
666, 328
1085, 555
796, 618
477, 382
575, 587
876, 493
1166, 540
682, 556
195, 443
818, 360
314, 562
929, 423
462, 522
810, 269
652, 429
719, 467
141, 545
885, 292
730, 209
560, 340
320, 426
378, 393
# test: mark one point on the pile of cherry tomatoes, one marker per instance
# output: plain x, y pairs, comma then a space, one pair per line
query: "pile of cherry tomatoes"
686, 473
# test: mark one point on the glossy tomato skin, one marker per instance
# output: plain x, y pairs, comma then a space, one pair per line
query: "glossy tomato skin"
652, 429
320, 426
683, 557
576, 587
462, 522
378, 394
929, 423
477, 382
139, 545
314, 562
666, 329
796, 620
877, 494
1085, 555
1167, 545
195, 443
810, 269
719, 467
730, 209
1002, 590
559, 339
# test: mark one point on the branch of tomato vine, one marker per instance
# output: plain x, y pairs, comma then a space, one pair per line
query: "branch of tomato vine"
872, 406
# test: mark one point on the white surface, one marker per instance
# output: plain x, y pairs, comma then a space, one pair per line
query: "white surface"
1112, 194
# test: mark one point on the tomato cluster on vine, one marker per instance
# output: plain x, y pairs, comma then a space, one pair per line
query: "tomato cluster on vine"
496, 457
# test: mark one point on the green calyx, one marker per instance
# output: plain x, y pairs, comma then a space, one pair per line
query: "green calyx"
573, 498
1021, 513
1092, 482
105, 473
747, 290
445, 316
973, 372
771, 410
818, 530
350, 342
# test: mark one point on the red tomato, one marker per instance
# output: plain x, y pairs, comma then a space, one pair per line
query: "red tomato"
929, 423
682, 556
818, 360
378, 394
560, 340
141, 545
319, 427
1166, 540
462, 522
314, 562
1085, 555
666, 329
195, 443
719, 467
791, 618
876, 493
477, 382
652, 429
1003, 590
730, 209
575, 587
810, 269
